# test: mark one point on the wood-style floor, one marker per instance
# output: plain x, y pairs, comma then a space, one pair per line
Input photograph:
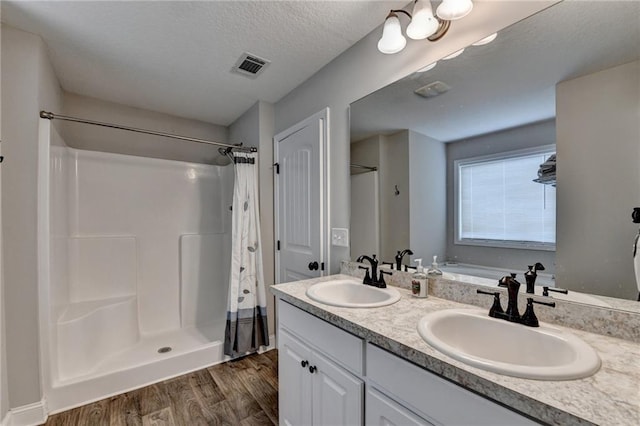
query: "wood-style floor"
243, 392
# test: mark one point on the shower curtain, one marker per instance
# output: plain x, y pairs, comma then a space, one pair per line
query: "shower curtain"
246, 328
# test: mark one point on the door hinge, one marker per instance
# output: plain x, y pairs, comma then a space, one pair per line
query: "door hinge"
322, 266
278, 245
277, 166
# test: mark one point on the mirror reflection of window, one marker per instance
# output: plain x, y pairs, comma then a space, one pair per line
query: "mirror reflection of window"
500, 204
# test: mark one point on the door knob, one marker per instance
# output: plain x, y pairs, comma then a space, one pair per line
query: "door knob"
304, 363
313, 266
313, 369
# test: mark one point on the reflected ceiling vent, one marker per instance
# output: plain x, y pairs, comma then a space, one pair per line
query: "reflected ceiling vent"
432, 90
250, 65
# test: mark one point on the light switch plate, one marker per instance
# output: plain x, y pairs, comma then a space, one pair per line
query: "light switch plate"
340, 237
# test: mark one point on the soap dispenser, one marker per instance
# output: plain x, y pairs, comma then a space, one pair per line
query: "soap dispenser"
434, 272
419, 281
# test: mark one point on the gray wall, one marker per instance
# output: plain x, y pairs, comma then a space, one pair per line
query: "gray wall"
598, 180
428, 200
416, 217
83, 136
4, 385
530, 136
28, 85
361, 70
394, 209
255, 128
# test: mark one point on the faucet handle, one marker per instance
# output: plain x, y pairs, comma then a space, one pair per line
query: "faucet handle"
546, 290
388, 263
381, 283
529, 318
367, 277
496, 309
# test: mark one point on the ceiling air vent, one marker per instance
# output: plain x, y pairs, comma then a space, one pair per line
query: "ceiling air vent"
250, 65
433, 89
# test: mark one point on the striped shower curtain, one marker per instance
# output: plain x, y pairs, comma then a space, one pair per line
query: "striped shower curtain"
246, 328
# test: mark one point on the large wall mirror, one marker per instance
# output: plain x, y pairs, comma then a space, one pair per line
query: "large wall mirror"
565, 81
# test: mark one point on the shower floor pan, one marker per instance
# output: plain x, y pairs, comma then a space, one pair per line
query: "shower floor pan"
142, 364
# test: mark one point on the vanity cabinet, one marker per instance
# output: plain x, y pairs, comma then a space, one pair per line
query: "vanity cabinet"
322, 376
315, 385
382, 410
435, 400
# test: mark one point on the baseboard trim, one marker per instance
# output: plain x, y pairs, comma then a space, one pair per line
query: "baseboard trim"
27, 415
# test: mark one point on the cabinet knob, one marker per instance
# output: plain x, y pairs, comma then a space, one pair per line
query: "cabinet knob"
304, 363
312, 369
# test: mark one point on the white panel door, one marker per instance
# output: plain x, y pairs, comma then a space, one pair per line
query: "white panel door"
337, 394
382, 411
294, 379
300, 191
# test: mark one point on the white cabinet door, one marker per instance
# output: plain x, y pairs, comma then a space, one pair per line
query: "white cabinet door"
337, 395
382, 411
294, 394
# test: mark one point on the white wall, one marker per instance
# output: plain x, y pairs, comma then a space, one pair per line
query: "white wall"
598, 179
255, 128
28, 85
428, 197
529, 136
83, 136
361, 70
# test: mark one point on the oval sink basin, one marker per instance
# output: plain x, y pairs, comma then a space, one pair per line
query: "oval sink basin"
352, 294
542, 353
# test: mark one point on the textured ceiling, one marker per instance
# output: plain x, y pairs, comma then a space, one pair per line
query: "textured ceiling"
511, 81
175, 57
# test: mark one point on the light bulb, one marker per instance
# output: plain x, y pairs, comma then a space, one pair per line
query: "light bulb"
450, 10
485, 40
454, 55
428, 67
423, 24
392, 40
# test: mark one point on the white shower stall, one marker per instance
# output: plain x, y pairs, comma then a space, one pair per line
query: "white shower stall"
133, 264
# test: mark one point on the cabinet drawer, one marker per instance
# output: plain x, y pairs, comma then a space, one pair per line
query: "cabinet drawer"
384, 411
433, 397
345, 348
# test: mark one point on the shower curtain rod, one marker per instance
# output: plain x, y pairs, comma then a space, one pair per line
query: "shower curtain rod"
360, 166
229, 147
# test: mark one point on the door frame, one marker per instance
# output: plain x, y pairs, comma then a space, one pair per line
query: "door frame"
322, 119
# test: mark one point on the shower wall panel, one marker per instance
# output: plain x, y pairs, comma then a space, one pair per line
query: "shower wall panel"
204, 279
116, 198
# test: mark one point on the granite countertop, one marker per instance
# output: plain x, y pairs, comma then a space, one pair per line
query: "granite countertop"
610, 397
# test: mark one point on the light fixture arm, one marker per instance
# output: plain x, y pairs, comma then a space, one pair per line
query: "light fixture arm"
393, 12
443, 28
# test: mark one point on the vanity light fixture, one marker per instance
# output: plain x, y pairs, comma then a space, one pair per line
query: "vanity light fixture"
454, 54
428, 67
423, 25
451, 10
485, 40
